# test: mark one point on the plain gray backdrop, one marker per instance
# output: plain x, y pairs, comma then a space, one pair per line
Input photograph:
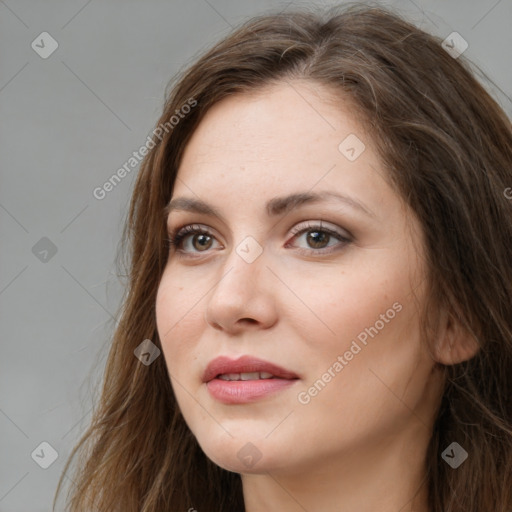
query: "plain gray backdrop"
68, 122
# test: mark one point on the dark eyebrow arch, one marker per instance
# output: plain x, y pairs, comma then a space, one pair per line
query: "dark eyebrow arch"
274, 207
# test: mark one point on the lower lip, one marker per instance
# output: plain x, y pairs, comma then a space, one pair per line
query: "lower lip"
245, 391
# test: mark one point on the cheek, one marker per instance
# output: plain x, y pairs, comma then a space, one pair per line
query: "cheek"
351, 306
177, 319
375, 392
373, 326
178, 322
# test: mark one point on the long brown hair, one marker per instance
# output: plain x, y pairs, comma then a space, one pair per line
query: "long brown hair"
447, 147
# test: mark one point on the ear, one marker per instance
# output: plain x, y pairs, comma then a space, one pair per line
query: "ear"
454, 343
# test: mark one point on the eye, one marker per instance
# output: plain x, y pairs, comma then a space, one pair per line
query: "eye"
318, 239
202, 238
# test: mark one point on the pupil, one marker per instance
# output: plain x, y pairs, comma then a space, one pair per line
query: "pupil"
317, 238
201, 239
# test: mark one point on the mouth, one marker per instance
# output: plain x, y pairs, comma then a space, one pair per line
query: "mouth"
245, 379
246, 376
245, 368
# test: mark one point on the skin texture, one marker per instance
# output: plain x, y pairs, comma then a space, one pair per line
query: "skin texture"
360, 442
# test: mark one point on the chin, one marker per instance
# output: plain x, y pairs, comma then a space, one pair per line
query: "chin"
240, 455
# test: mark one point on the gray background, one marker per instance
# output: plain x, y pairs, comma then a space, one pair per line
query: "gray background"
68, 123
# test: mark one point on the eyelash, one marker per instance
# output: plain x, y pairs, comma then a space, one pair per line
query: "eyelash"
177, 236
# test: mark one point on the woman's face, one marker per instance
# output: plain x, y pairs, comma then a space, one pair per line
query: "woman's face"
331, 306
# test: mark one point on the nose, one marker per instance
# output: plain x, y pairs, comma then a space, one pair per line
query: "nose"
242, 298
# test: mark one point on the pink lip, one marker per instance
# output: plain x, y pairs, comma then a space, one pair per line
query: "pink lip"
238, 392
244, 364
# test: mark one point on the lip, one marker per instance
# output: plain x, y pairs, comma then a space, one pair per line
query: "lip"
244, 364
245, 391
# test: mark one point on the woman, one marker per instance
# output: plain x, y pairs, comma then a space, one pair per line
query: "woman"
320, 295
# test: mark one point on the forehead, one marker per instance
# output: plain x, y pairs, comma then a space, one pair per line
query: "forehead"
285, 139
265, 123
293, 126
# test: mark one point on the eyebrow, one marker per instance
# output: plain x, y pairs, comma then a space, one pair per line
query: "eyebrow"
274, 207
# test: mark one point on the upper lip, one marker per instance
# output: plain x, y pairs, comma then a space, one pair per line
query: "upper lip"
244, 364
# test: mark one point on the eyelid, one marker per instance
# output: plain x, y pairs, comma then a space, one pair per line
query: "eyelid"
295, 230
330, 228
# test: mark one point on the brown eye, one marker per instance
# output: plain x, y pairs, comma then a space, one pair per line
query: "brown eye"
318, 239
201, 241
